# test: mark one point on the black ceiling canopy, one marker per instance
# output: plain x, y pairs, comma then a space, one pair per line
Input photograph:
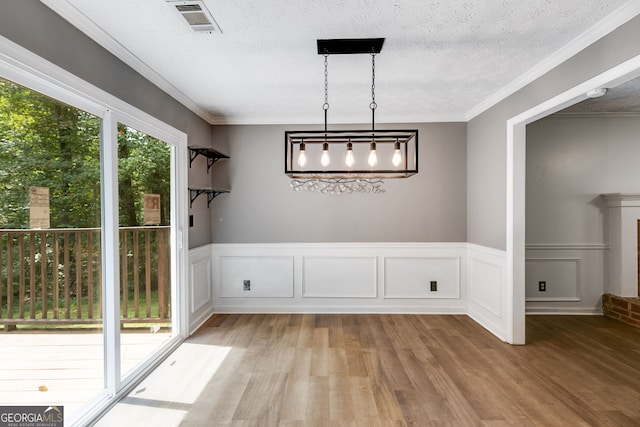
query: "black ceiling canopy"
349, 46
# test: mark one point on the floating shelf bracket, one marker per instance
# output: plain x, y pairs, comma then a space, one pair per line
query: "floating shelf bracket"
211, 155
194, 193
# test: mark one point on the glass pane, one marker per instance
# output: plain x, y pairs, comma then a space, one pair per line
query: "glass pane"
50, 252
144, 179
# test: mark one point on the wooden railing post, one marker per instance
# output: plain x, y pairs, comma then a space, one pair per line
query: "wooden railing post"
21, 279
56, 285
147, 269
43, 275
163, 272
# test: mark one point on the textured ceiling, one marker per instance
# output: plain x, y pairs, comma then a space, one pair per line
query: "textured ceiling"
442, 59
624, 98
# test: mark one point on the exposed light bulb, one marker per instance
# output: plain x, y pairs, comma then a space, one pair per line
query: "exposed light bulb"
397, 156
349, 159
373, 156
302, 157
325, 159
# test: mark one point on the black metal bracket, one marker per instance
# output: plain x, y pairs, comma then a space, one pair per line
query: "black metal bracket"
211, 155
194, 193
349, 46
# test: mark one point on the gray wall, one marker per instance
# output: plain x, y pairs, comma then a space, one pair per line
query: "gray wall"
428, 207
34, 26
570, 162
486, 134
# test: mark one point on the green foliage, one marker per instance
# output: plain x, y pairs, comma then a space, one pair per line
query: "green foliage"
143, 165
49, 144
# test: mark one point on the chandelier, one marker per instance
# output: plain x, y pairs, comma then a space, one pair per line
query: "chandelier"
339, 161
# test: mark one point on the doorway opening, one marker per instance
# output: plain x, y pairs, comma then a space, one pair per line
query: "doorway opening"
516, 180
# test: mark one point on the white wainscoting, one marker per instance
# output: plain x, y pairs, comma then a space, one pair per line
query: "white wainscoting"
488, 293
411, 277
561, 277
351, 278
340, 277
575, 276
200, 291
256, 277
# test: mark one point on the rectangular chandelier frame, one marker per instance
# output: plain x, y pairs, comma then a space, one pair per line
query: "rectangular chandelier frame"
407, 140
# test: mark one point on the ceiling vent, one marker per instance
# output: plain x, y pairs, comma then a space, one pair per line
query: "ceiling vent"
196, 15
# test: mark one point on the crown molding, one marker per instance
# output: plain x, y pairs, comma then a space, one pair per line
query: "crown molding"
594, 115
76, 18
620, 16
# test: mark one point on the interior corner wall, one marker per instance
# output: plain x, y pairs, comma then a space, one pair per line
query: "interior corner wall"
32, 25
487, 132
262, 207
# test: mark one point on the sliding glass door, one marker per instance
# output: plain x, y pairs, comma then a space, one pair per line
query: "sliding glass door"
51, 268
146, 291
93, 201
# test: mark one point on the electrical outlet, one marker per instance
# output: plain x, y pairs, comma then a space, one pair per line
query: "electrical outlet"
434, 286
247, 285
542, 286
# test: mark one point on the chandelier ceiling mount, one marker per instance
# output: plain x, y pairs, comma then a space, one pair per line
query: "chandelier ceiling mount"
368, 155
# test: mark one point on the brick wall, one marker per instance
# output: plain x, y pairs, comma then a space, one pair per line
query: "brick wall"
624, 309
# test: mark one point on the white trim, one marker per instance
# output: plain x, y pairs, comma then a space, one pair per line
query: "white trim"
25, 68
79, 20
485, 250
623, 14
330, 309
516, 183
486, 278
28, 69
567, 247
563, 312
110, 253
609, 23
259, 247
595, 115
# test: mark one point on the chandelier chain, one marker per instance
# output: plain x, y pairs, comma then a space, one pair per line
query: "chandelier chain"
325, 106
373, 105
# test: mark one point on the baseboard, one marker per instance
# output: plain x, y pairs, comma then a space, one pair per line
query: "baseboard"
338, 310
566, 311
199, 321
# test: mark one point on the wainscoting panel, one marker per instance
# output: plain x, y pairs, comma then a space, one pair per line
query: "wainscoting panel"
560, 277
200, 292
201, 279
339, 277
256, 277
576, 277
487, 289
412, 277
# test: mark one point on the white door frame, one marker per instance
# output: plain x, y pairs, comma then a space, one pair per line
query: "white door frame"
516, 180
30, 70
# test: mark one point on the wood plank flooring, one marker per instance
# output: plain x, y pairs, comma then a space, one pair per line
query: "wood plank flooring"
393, 370
69, 364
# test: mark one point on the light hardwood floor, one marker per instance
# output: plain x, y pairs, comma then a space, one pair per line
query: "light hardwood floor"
68, 365
392, 370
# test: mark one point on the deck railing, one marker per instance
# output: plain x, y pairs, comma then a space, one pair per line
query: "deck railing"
54, 276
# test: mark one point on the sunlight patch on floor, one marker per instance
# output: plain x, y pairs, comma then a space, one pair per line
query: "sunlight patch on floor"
167, 394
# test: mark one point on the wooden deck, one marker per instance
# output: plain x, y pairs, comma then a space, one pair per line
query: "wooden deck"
69, 365
391, 370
